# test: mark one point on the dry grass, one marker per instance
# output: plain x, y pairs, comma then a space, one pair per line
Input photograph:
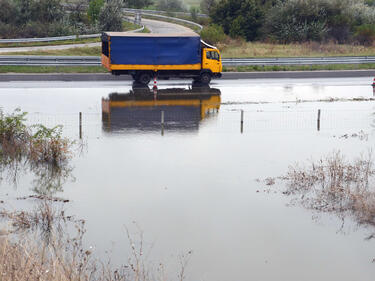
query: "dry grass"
336, 185
56, 255
242, 49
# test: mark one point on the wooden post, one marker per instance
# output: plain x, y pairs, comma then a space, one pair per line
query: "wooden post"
318, 120
80, 125
162, 122
242, 121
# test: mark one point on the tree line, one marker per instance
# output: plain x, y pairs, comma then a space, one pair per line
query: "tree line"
285, 21
42, 18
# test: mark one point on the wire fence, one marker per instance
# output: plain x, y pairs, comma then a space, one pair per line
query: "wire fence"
162, 120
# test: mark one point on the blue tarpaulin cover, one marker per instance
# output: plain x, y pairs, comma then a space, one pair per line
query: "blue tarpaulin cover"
155, 50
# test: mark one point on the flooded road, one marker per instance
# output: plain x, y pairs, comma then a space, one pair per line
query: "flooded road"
196, 187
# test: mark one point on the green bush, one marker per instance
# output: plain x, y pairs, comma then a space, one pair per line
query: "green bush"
365, 34
110, 16
296, 21
213, 34
42, 18
207, 5
94, 10
239, 18
305, 20
137, 4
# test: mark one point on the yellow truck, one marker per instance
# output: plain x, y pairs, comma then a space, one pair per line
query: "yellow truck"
146, 55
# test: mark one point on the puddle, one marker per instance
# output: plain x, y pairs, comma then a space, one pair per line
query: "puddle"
191, 184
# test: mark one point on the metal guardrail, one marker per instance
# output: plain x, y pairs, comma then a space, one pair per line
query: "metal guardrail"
49, 39
93, 60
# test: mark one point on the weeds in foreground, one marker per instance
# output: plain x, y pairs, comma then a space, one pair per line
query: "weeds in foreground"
37, 148
58, 255
334, 184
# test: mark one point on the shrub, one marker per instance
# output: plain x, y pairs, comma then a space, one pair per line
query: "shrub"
207, 6
296, 20
7, 11
213, 34
137, 4
110, 16
239, 18
305, 20
365, 34
94, 10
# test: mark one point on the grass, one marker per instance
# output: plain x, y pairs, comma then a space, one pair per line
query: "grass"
334, 184
242, 49
192, 3
239, 49
59, 254
53, 69
255, 68
81, 51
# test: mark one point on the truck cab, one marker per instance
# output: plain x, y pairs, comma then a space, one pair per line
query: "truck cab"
211, 59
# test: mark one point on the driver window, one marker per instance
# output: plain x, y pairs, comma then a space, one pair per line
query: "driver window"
208, 55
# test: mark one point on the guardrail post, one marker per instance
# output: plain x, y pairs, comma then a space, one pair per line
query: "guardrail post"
80, 125
318, 121
242, 121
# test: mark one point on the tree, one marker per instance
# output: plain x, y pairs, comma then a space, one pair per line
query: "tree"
137, 4
94, 10
239, 18
207, 5
110, 16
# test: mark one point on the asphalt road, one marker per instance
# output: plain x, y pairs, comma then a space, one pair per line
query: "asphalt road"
226, 76
164, 27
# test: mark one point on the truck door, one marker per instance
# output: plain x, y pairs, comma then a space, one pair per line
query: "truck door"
212, 60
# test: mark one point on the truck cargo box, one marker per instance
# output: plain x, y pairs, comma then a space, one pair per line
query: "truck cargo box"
152, 49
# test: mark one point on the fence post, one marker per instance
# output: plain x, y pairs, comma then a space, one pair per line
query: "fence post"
242, 121
80, 125
162, 122
318, 122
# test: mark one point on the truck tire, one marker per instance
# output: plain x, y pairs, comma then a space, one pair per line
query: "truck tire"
205, 78
144, 78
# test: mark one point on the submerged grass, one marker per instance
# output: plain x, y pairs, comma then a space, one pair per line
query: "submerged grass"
334, 184
37, 149
56, 255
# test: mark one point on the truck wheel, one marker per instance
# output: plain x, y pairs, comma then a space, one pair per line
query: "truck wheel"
144, 78
205, 78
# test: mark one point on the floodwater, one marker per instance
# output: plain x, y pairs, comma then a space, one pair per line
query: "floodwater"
194, 186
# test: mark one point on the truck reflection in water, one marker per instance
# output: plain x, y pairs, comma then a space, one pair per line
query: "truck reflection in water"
142, 108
